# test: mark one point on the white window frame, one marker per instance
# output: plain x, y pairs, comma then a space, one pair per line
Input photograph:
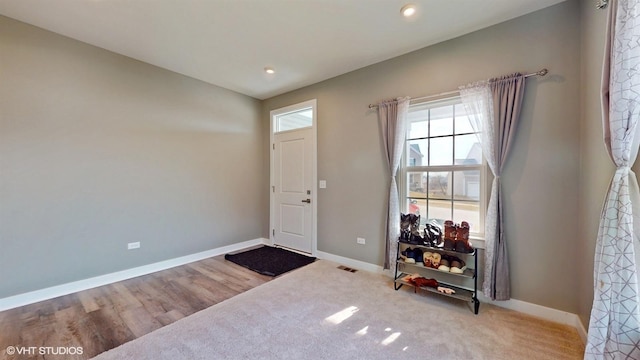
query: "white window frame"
309, 105
477, 235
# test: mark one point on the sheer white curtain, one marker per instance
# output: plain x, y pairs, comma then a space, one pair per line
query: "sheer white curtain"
393, 123
479, 105
614, 326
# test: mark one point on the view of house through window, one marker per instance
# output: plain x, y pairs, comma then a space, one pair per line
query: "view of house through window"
443, 166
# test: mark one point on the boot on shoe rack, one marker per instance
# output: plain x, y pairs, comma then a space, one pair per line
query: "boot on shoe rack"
450, 231
462, 238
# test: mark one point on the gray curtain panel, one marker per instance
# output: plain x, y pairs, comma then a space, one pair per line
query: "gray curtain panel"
507, 93
494, 109
614, 325
393, 123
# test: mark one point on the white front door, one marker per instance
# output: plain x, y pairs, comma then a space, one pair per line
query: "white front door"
293, 180
293, 197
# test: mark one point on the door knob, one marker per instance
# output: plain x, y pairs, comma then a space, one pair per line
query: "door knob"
308, 201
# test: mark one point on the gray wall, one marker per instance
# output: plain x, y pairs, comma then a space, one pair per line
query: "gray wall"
596, 168
98, 150
540, 181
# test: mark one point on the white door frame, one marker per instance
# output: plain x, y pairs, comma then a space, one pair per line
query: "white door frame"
314, 177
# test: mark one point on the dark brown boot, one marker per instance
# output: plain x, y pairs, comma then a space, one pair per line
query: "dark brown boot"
449, 235
462, 238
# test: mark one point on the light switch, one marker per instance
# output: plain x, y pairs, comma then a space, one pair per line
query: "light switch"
323, 184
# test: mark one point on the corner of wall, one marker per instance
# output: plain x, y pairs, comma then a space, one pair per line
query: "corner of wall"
595, 169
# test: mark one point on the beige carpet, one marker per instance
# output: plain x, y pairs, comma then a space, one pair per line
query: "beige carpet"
321, 312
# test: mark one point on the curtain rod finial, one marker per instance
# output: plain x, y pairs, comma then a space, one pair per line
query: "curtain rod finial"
543, 72
602, 4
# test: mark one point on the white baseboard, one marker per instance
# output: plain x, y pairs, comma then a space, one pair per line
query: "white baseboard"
80, 285
582, 331
540, 311
356, 264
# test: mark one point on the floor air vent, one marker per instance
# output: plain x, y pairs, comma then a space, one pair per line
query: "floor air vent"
342, 267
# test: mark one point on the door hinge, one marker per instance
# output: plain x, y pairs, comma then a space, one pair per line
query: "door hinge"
273, 231
273, 188
274, 146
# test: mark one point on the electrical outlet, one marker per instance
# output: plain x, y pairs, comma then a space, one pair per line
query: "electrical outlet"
133, 245
360, 241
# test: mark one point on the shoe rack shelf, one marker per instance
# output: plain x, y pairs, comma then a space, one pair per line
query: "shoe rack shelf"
468, 273
461, 292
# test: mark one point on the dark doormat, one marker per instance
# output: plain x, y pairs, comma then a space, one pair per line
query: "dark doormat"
269, 260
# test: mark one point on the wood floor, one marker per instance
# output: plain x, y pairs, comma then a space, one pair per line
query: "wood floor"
102, 318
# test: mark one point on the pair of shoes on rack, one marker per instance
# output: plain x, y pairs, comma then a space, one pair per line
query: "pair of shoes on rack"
456, 237
432, 235
419, 281
412, 256
452, 264
432, 259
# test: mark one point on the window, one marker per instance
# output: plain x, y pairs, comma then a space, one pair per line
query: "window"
443, 168
293, 120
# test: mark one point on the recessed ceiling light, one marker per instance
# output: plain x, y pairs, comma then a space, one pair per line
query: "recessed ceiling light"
408, 10
269, 70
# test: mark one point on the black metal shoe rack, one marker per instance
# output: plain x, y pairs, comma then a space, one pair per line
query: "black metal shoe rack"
445, 279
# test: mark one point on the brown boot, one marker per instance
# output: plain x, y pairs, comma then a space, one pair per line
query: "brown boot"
462, 238
449, 235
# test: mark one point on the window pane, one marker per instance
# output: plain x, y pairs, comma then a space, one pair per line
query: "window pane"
441, 120
295, 120
441, 151
439, 185
418, 207
462, 123
469, 212
466, 185
439, 210
468, 150
419, 128
416, 182
417, 152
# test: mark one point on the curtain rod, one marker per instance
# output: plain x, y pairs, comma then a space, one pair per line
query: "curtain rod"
542, 72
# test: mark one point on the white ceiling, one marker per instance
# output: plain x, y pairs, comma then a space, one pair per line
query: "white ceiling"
229, 42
